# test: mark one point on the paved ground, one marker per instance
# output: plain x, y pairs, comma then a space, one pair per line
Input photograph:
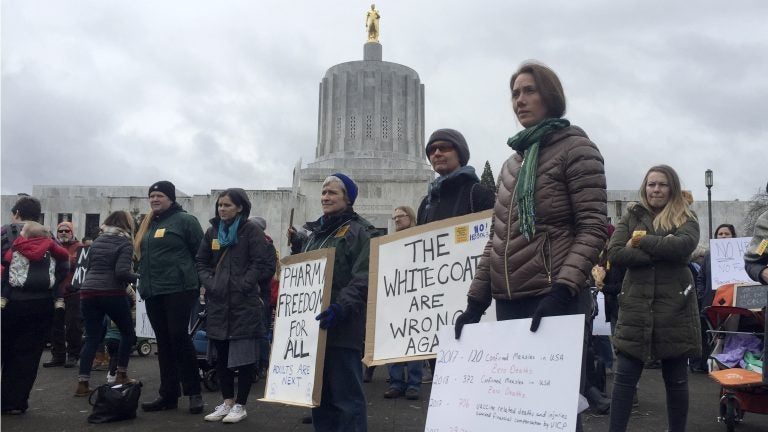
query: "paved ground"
53, 408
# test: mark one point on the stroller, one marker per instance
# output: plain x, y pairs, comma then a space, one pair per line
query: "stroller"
206, 369
743, 389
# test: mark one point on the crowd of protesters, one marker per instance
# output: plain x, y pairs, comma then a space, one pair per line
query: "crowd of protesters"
550, 242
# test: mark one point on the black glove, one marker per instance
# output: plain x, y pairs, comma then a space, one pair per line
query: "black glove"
331, 316
470, 316
554, 303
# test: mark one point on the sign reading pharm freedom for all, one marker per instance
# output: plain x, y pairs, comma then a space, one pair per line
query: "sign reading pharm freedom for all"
418, 284
501, 377
298, 346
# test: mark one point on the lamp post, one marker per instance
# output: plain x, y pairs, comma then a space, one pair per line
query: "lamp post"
708, 182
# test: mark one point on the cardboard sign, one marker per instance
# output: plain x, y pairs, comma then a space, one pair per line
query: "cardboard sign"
81, 267
501, 377
418, 284
143, 326
298, 347
727, 261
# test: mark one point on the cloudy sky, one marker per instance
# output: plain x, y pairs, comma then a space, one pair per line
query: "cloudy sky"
214, 94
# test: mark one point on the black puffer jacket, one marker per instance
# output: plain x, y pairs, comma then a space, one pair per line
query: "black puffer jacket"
457, 196
231, 279
110, 266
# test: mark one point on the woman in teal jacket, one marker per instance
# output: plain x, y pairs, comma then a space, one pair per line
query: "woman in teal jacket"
166, 245
658, 310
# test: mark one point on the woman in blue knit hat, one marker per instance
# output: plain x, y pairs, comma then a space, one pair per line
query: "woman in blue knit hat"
343, 404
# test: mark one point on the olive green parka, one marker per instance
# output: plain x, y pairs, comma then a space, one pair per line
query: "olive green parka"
658, 311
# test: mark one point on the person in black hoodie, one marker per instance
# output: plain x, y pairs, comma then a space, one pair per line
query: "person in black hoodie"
103, 292
456, 191
233, 257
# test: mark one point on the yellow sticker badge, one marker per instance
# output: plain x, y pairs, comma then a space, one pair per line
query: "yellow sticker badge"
461, 233
160, 233
215, 244
342, 231
761, 247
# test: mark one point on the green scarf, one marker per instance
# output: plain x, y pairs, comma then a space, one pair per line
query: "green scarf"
527, 141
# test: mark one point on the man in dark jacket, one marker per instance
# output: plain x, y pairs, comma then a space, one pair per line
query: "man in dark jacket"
343, 405
457, 191
67, 329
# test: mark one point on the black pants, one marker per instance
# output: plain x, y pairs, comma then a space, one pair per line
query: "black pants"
26, 324
227, 375
524, 308
67, 330
627, 374
169, 315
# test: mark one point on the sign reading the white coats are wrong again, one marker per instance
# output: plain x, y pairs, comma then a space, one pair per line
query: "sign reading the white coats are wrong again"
418, 283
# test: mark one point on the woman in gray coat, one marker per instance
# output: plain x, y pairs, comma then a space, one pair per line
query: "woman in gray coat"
232, 258
658, 311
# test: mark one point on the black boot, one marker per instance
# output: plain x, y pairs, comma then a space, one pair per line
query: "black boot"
160, 404
55, 362
196, 404
599, 403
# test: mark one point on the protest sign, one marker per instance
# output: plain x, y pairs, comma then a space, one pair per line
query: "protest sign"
81, 267
143, 326
298, 346
500, 376
727, 261
599, 326
418, 283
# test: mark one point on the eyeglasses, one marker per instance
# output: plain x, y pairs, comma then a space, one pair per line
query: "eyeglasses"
64, 231
399, 217
443, 147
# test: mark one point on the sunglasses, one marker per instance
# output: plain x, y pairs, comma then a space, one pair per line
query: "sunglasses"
64, 231
443, 147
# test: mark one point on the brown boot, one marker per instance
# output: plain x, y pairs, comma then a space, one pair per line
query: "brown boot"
83, 389
100, 362
122, 378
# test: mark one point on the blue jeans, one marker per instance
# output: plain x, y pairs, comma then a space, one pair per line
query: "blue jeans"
118, 309
627, 374
343, 405
414, 375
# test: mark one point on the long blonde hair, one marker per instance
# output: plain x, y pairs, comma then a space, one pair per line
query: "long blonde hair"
143, 228
676, 212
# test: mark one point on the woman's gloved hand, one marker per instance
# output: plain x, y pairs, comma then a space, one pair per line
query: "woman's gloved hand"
553, 304
471, 315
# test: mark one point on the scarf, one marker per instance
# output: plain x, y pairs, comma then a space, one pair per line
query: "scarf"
527, 142
228, 235
434, 187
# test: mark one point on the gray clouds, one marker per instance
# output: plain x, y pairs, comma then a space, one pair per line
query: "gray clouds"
215, 95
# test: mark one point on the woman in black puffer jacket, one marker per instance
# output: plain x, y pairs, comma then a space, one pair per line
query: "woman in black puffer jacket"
104, 293
232, 258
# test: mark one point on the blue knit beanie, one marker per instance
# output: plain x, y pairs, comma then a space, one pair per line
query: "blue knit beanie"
349, 185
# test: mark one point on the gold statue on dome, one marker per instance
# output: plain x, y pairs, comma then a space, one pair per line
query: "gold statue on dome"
372, 24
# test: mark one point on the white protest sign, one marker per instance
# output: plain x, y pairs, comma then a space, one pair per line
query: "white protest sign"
143, 327
501, 377
727, 261
298, 346
599, 326
418, 284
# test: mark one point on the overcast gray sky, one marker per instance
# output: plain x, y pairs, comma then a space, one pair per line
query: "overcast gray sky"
221, 94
